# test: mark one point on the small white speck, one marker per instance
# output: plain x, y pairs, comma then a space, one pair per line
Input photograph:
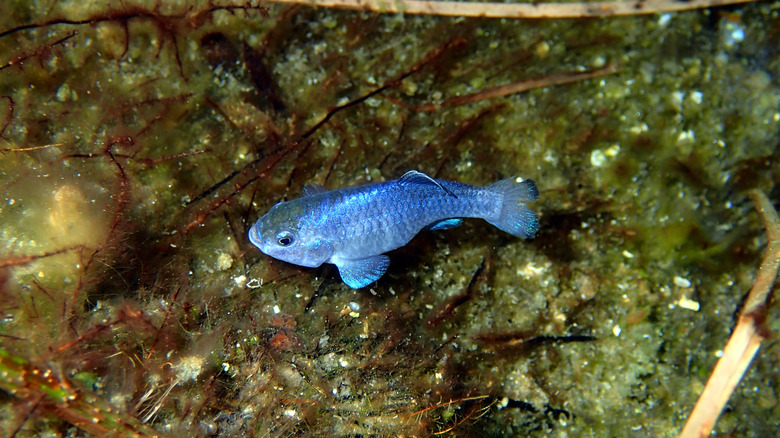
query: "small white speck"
550, 157
63, 93
612, 151
687, 303
681, 282
664, 19
616, 330
597, 158
291, 413
718, 353
686, 136
627, 254
738, 35
638, 129
344, 363
277, 309
696, 96
240, 280
354, 306
224, 261
189, 367
530, 270
676, 99
254, 283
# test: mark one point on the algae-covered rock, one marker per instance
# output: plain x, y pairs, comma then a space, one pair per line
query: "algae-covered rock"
140, 141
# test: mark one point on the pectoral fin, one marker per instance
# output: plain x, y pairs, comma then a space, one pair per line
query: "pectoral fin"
361, 273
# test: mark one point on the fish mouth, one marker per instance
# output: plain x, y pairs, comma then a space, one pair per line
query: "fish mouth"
255, 235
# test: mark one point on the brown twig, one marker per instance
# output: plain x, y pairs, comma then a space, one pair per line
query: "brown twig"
22, 58
524, 85
518, 10
260, 167
445, 404
23, 260
747, 335
8, 117
32, 148
446, 309
429, 58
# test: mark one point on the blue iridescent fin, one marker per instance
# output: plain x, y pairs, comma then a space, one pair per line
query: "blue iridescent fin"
361, 273
446, 224
515, 218
415, 177
312, 189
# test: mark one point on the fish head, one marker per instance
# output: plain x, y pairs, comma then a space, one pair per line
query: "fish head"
286, 234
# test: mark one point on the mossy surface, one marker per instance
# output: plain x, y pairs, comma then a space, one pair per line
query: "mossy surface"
140, 141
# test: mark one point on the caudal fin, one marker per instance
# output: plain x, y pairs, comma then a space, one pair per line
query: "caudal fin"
515, 218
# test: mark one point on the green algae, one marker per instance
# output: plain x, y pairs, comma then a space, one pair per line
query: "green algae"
174, 127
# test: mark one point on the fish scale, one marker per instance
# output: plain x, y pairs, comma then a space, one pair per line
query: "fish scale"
353, 227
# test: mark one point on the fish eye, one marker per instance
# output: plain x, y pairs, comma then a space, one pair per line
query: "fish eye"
285, 238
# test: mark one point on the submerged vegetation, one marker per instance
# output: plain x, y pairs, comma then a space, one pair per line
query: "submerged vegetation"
140, 141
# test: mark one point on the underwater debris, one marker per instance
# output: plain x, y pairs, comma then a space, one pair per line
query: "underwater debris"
746, 337
59, 397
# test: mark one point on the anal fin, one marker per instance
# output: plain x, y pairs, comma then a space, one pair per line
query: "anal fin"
446, 224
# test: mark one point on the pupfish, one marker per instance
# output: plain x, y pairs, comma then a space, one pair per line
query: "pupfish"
354, 227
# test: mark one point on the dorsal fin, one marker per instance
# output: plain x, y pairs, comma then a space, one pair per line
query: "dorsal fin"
415, 177
313, 189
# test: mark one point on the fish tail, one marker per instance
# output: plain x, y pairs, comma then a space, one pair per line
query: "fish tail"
515, 218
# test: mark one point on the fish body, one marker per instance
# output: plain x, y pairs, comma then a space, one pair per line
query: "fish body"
353, 227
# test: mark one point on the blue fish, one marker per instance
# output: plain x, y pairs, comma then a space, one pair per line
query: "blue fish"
353, 227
